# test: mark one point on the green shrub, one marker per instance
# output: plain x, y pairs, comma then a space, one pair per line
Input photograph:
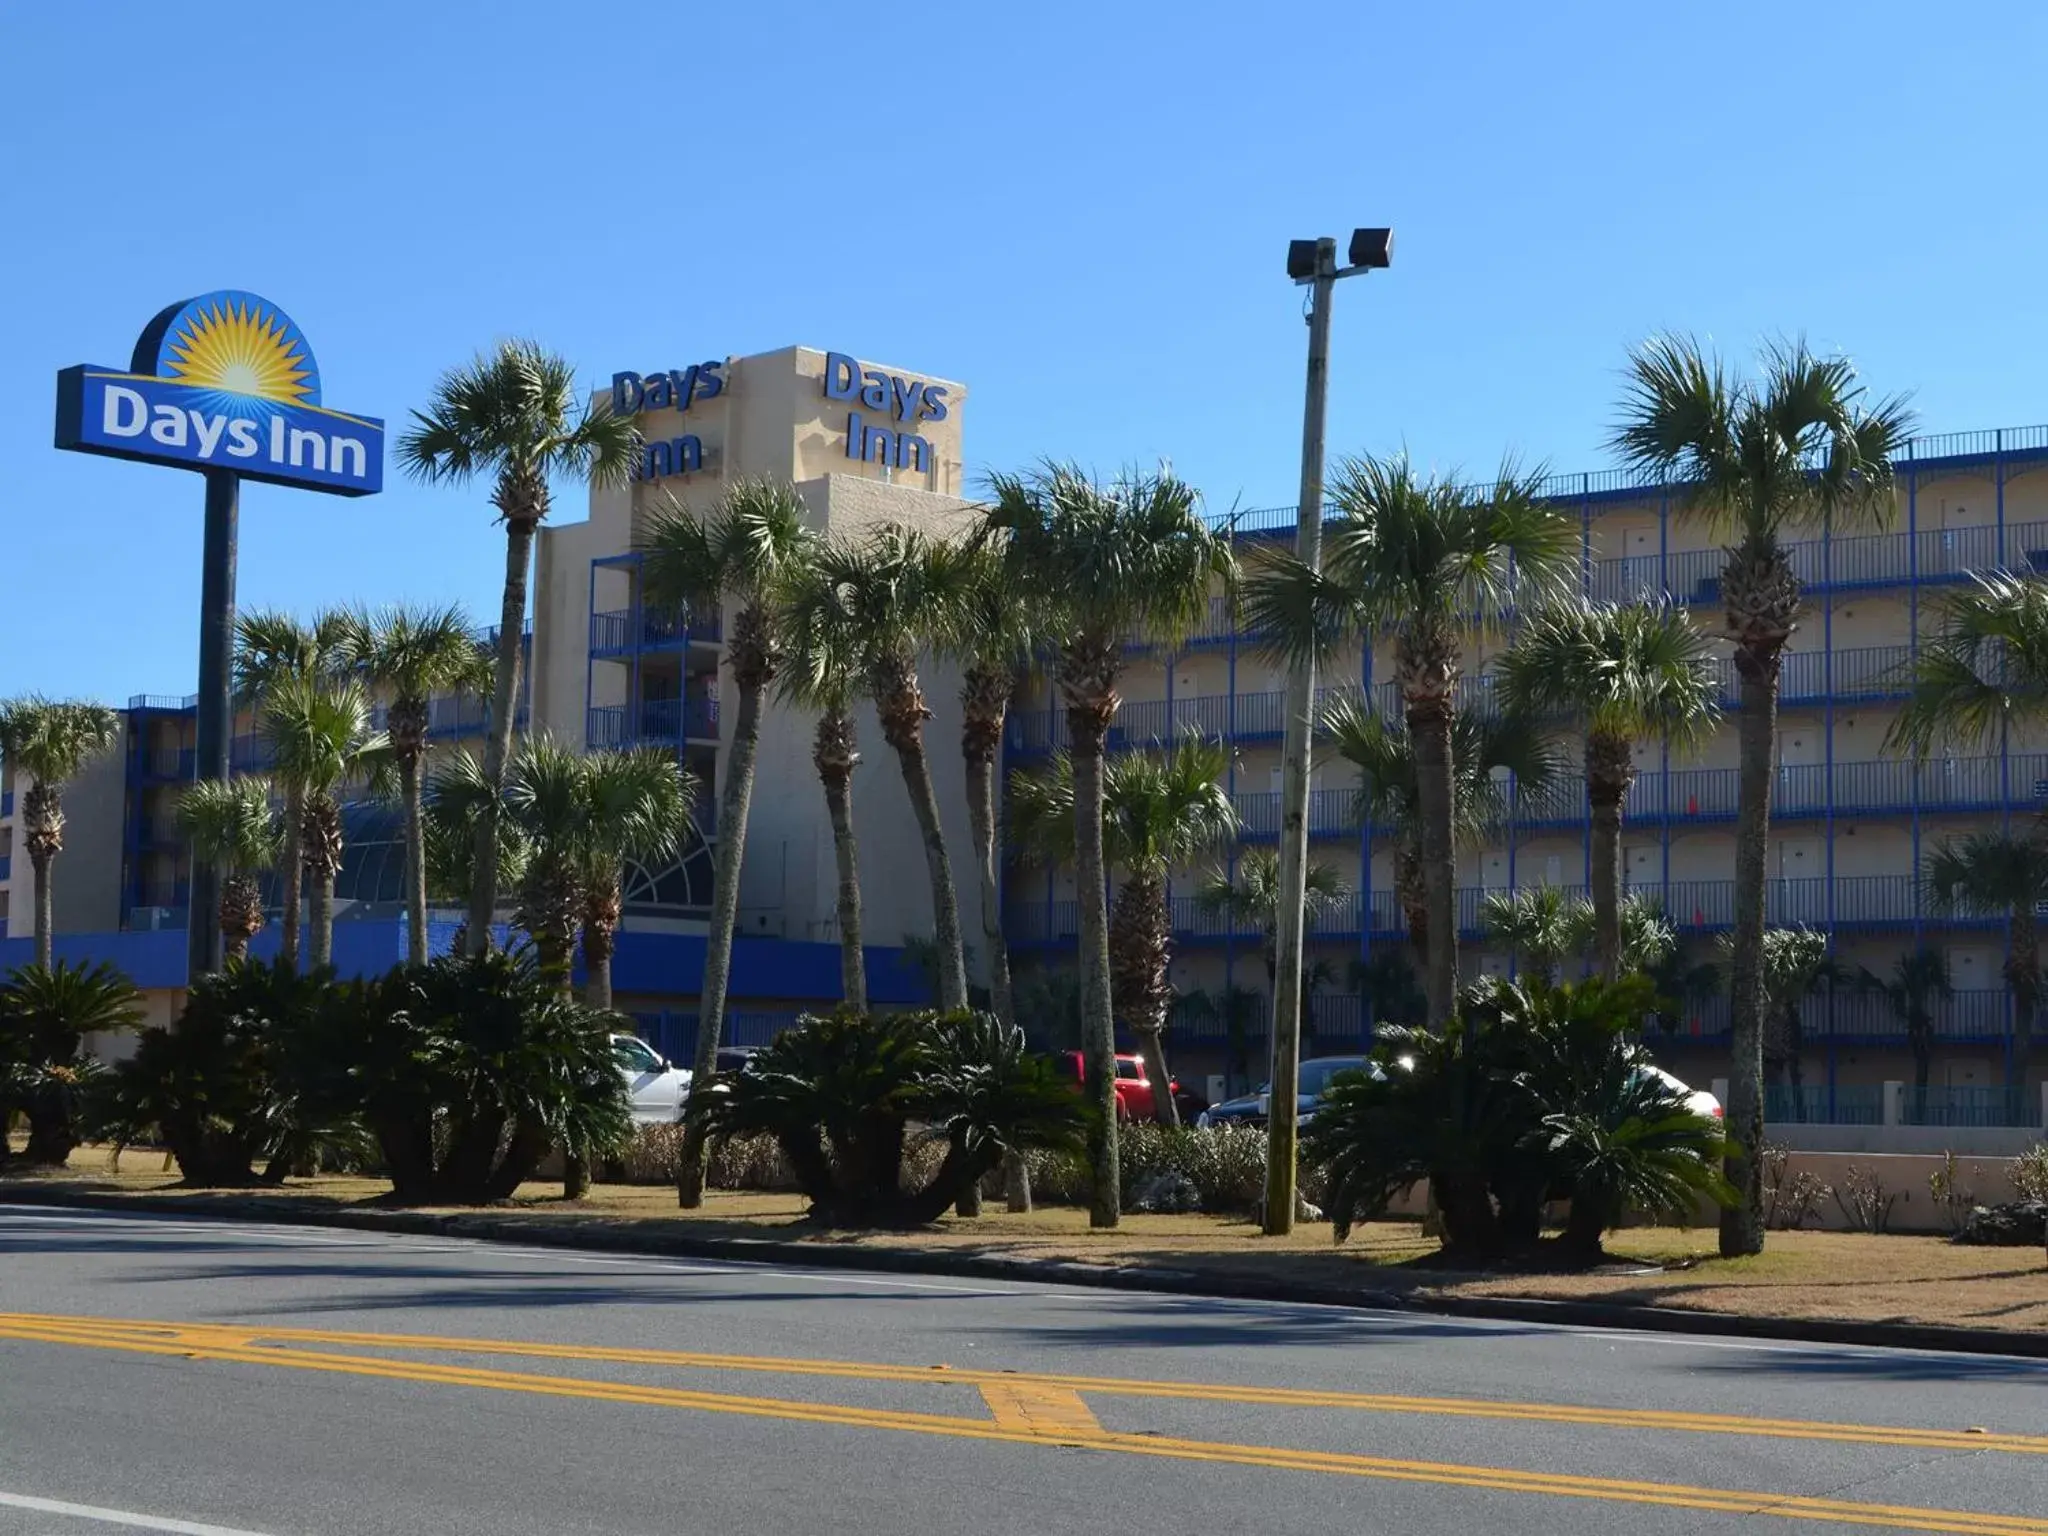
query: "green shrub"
468, 1070
1225, 1163
45, 1016
885, 1120
228, 1085
1535, 1093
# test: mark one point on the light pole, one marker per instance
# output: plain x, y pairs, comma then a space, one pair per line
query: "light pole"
1312, 263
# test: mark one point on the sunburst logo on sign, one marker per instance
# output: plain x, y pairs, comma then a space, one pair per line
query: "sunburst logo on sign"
238, 346
225, 381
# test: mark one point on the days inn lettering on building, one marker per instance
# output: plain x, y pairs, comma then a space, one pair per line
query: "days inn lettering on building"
896, 406
674, 389
905, 404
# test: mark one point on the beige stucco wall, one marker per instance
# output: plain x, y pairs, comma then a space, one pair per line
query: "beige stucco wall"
773, 419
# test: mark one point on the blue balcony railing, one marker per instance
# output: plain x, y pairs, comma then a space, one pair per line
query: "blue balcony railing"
1819, 1104
617, 633
1860, 1016
6, 865
1147, 722
1968, 1106
6, 803
1868, 902
1331, 813
654, 721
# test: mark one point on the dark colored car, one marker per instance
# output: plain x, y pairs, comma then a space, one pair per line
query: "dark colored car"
1314, 1080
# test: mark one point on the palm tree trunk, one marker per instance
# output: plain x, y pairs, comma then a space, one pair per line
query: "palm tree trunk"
483, 894
42, 816
1414, 902
1742, 1229
1087, 728
2023, 979
835, 750
291, 876
598, 943
924, 804
1140, 945
984, 693
321, 944
1610, 764
42, 863
1429, 727
415, 860
853, 964
981, 826
734, 799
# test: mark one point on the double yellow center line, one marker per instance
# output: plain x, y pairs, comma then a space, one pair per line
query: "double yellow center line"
1051, 1408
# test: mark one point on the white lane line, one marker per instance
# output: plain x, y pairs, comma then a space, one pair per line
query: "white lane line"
120, 1517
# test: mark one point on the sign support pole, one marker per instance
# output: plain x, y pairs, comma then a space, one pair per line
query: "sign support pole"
216, 704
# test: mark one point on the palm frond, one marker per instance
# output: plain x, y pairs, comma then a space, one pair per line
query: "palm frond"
517, 408
51, 740
1983, 671
231, 822
1105, 561
1629, 670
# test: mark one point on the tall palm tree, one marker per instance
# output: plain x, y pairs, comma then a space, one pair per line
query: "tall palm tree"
1489, 750
1620, 671
233, 826
408, 655
322, 738
639, 802
822, 672
1542, 926
751, 547
1984, 670
1159, 810
897, 590
546, 799
1539, 924
1916, 981
1250, 895
1750, 458
271, 650
1102, 564
1428, 559
1998, 874
515, 415
51, 741
991, 636
456, 793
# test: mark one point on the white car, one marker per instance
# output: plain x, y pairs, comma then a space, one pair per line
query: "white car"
1698, 1100
658, 1090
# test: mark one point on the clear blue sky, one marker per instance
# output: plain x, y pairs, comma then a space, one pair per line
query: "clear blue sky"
1079, 210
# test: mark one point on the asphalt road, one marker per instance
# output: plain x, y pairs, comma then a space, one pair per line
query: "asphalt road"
162, 1374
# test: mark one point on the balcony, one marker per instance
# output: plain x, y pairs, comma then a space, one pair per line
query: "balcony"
1331, 813
6, 865
1800, 791
1861, 902
619, 633
656, 722
6, 803
1229, 717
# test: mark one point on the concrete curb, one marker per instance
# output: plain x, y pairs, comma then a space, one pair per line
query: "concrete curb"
628, 1236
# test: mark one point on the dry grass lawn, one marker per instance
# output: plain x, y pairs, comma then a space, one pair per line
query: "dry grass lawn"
1830, 1275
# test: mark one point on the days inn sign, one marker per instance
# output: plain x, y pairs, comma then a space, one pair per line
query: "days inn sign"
222, 382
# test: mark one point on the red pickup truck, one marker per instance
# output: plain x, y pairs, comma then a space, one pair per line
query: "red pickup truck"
1133, 1087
